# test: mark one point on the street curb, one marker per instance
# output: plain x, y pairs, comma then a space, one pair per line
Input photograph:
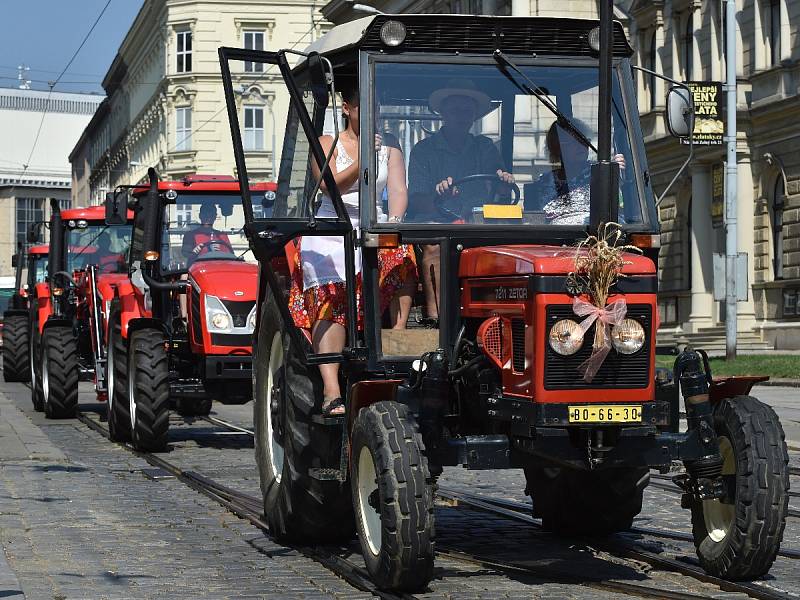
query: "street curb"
781, 382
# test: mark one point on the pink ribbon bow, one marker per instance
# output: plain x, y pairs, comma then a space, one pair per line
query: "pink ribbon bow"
612, 314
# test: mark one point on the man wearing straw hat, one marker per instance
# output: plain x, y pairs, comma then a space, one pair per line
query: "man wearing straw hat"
446, 156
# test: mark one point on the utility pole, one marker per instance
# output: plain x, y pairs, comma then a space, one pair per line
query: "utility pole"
731, 250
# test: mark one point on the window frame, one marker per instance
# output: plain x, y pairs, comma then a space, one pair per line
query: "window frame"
250, 66
651, 64
183, 56
35, 206
688, 46
183, 140
253, 110
777, 205
774, 32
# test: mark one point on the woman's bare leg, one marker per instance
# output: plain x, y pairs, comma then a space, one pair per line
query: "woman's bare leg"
430, 279
329, 337
400, 307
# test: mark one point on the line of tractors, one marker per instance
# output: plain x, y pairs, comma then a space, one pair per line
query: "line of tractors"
167, 328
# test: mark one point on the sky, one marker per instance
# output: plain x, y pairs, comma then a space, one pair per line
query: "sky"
43, 34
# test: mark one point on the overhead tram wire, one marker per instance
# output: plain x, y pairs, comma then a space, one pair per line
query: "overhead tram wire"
53, 84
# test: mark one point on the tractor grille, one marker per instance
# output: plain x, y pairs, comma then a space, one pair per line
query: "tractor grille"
239, 311
518, 345
541, 36
617, 371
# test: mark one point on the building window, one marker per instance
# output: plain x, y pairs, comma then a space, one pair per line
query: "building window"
791, 308
183, 215
184, 52
774, 32
254, 40
778, 202
651, 64
29, 210
183, 128
253, 128
688, 46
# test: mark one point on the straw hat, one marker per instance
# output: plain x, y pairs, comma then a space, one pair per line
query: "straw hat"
460, 87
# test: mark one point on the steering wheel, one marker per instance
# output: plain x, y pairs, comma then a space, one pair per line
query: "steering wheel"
199, 248
493, 179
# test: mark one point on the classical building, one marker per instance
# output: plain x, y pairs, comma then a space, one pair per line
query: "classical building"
32, 174
165, 106
684, 39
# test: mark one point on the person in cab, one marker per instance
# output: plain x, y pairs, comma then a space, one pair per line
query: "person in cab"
205, 239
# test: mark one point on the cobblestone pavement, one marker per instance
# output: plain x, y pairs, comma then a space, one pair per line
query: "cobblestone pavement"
81, 517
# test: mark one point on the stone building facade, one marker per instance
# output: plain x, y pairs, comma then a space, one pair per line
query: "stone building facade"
25, 192
165, 106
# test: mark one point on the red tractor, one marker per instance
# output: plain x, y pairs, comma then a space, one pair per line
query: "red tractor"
493, 368
16, 319
68, 310
181, 323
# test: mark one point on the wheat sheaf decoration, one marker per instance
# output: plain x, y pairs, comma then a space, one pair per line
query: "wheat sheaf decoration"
599, 260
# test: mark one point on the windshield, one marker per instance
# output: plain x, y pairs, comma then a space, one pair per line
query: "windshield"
105, 246
39, 263
202, 227
470, 144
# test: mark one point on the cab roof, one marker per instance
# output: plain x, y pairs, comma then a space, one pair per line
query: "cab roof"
207, 183
473, 34
88, 213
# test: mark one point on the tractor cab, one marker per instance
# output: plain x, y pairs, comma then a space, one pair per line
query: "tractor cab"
464, 201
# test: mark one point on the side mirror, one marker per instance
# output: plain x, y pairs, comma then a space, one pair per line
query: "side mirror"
680, 112
33, 233
14, 260
117, 207
321, 80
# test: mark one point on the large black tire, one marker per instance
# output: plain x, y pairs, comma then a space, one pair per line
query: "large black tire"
16, 363
193, 407
739, 541
119, 412
586, 503
148, 389
60, 372
298, 507
34, 352
392, 497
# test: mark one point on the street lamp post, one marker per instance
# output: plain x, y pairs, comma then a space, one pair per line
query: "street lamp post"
731, 250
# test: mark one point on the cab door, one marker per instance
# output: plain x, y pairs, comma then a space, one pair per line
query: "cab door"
277, 222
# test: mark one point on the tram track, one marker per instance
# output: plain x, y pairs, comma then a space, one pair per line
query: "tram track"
250, 508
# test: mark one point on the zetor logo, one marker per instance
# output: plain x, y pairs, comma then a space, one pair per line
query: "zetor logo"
510, 293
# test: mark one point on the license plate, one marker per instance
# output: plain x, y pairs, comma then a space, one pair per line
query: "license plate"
605, 413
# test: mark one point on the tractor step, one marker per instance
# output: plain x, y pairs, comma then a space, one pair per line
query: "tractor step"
325, 474
328, 421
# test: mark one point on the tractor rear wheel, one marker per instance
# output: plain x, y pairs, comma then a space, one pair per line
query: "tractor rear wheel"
59, 372
299, 508
34, 354
586, 503
392, 497
119, 416
148, 389
739, 540
16, 366
193, 407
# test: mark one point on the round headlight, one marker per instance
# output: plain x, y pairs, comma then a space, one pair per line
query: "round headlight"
594, 39
627, 336
220, 321
566, 337
393, 33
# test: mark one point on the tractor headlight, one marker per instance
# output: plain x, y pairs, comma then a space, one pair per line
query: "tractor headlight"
217, 316
251, 320
566, 337
627, 336
393, 33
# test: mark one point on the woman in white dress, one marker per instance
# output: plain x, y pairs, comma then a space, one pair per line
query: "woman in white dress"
318, 300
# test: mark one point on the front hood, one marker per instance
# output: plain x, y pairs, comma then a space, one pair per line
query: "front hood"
107, 282
494, 261
226, 279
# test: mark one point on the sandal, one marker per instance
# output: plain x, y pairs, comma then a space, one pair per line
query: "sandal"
331, 409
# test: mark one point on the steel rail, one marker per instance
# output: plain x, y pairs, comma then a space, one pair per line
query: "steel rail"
760, 592
249, 508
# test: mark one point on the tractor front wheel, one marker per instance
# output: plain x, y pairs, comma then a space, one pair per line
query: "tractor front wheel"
148, 389
299, 508
16, 366
392, 497
34, 354
586, 503
59, 372
739, 537
119, 416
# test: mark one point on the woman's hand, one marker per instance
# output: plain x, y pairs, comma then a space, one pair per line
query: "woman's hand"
378, 141
620, 160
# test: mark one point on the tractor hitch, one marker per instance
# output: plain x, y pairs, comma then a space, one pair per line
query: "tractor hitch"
704, 479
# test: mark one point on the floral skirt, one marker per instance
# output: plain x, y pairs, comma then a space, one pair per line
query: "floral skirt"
397, 267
